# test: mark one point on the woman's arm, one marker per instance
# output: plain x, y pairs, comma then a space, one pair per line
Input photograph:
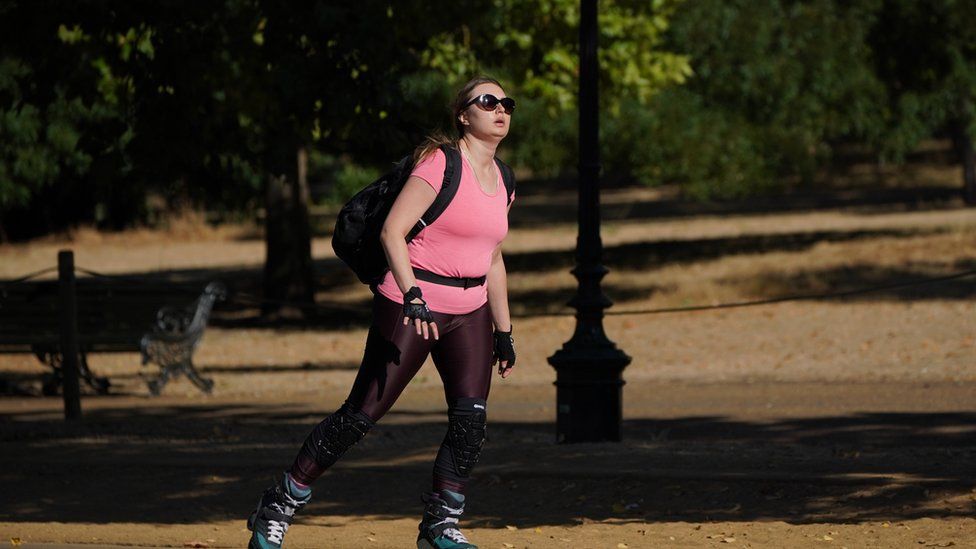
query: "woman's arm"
498, 292
498, 302
408, 207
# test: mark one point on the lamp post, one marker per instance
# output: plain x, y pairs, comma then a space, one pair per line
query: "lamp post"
589, 367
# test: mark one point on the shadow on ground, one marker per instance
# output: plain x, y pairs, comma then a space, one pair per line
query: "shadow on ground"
771, 285
653, 254
197, 463
642, 256
243, 308
558, 206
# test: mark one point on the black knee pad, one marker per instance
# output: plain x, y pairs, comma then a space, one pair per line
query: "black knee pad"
466, 434
336, 434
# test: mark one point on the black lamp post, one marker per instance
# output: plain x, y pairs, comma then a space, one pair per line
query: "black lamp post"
589, 367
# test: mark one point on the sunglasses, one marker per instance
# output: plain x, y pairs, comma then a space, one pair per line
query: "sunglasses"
488, 102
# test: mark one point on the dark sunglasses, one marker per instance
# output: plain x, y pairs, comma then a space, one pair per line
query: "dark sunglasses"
488, 102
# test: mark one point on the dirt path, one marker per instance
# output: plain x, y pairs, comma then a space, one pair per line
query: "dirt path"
845, 423
771, 465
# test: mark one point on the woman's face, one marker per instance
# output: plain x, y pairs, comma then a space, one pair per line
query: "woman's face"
491, 125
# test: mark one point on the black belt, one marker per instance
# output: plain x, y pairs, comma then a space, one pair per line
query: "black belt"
461, 282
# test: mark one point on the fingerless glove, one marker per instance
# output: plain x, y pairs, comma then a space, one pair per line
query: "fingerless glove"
415, 311
504, 347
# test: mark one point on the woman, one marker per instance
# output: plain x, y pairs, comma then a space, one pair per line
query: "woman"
445, 295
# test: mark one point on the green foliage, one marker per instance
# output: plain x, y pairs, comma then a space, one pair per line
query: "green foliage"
102, 102
41, 137
66, 112
775, 83
683, 141
532, 46
344, 177
925, 53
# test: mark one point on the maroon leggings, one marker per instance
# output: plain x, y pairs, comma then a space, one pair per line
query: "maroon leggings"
394, 353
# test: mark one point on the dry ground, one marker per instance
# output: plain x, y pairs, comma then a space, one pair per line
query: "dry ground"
839, 423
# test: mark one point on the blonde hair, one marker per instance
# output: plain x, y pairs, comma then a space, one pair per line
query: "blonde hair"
438, 138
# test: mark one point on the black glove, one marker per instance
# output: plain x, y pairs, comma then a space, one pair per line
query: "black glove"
504, 348
415, 311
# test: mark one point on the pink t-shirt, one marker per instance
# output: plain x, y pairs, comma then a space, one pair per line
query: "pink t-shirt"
457, 244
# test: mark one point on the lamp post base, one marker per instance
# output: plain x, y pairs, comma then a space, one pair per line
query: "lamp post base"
589, 392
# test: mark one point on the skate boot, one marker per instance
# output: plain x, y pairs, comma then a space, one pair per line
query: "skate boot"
439, 527
275, 511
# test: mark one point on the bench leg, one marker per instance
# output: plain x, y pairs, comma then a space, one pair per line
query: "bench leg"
156, 385
99, 384
204, 384
52, 382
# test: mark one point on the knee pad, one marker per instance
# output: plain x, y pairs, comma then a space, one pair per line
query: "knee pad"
466, 434
335, 434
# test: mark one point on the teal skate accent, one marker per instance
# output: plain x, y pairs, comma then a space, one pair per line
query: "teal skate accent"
295, 491
439, 527
443, 543
275, 511
258, 542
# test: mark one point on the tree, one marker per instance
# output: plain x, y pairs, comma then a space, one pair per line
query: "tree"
63, 120
327, 72
776, 83
532, 46
925, 53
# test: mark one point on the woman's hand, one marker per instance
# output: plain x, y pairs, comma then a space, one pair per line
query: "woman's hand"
504, 352
415, 309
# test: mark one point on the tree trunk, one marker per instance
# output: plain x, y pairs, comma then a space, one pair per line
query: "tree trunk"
288, 273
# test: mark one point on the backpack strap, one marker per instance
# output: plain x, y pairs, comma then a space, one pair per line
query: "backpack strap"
508, 176
449, 188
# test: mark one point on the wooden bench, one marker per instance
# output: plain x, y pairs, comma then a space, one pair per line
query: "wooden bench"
114, 315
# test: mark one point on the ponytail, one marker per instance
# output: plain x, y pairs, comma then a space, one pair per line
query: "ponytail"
431, 144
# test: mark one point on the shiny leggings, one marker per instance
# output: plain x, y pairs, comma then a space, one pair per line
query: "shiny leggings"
394, 353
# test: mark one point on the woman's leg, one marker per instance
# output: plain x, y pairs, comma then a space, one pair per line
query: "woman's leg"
394, 353
463, 359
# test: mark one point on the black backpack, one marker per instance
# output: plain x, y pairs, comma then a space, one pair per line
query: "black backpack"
356, 239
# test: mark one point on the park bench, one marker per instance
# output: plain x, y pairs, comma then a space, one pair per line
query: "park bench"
115, 315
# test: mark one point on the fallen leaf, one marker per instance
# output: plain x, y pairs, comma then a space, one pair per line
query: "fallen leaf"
828, 538
371, 539
728, 540
510, 527
508, 545
15, 542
